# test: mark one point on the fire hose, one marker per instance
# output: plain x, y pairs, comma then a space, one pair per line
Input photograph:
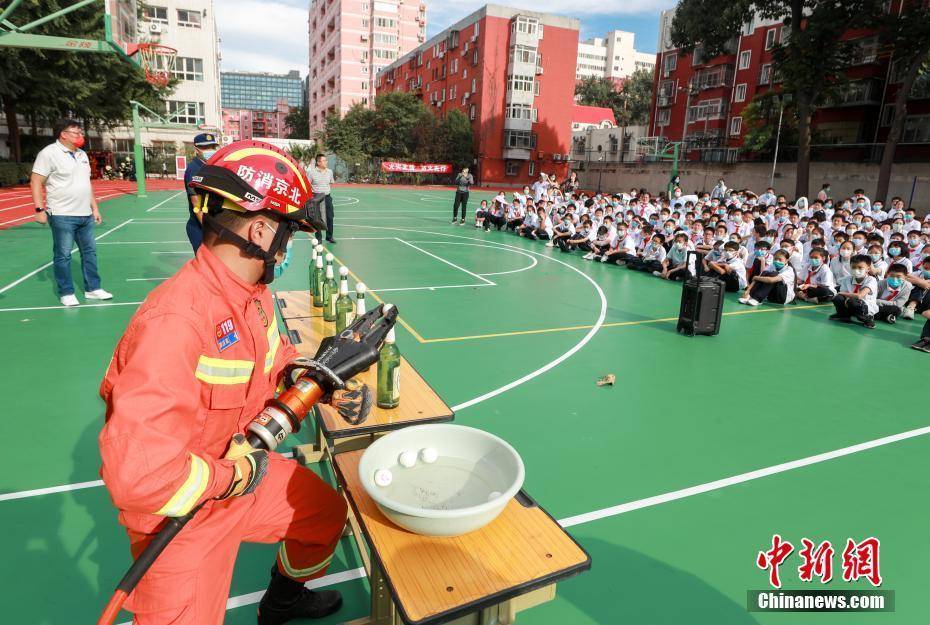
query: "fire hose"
338, 358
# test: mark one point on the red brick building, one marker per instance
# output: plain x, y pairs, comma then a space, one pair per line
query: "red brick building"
512, 72
701, 100
247, 123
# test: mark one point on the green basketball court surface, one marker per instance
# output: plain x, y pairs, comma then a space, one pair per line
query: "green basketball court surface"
673, 480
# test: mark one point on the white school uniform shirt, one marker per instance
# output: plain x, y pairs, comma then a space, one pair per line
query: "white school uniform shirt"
654, 252
916, 254
539, 190
849, 284
738, 267
563, 228
788, 276
880, 268
898, 297
822, 276
546, 225
840, 269
902, 260
796, 261
626, 244
531, 220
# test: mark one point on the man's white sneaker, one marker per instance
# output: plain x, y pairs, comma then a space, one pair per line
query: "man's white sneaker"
752, 302
550, 244
98, 294
70, 300
743, 300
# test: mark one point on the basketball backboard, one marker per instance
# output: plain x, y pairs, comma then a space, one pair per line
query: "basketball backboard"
122, 24
117, 33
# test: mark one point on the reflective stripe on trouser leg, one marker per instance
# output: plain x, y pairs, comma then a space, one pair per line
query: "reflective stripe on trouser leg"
300, 573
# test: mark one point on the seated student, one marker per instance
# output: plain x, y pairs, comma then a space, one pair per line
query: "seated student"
730, 268
857, 295
897, 255
918, 293
893, 293
675, 265
600, 244
921, 283
915, 247
622, 248
514, 215
761, 259
543, 231
529, 224
794, 255
581, 240
840, 264
481, 214
879, 266
818, 284
775, 284
652, 256
562, 232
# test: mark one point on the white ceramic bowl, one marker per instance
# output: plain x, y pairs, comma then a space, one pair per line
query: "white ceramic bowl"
449, 497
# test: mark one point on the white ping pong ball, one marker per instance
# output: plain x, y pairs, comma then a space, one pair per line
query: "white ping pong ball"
428, 455
407, 459
383, 477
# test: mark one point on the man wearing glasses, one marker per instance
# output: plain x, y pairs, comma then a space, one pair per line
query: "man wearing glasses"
69, 207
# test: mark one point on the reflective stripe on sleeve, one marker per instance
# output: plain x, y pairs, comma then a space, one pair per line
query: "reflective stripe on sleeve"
193, 487
221, 371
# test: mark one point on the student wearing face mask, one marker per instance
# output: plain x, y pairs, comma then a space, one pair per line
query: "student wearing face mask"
652, 256
893, 293
675, 265
879, 266
730, 268
857, 295
915, 247
205, 145
775, 284
840, 266
817, 281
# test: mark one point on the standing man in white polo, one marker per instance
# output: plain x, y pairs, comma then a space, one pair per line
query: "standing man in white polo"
321, 179
69, 207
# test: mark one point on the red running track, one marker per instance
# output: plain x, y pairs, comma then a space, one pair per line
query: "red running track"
17, 207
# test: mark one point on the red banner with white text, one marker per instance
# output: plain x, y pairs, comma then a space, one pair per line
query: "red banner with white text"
415, 168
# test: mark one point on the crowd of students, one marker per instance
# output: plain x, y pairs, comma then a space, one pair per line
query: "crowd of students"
870, 260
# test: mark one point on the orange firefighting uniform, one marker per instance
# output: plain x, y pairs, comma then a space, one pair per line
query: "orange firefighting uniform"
199, 359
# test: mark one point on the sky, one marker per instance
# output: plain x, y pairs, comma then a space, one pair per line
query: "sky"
271, 35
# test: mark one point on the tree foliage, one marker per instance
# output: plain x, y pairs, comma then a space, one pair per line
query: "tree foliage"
400, 126
810, 63
45, 85
630, 103
297, 123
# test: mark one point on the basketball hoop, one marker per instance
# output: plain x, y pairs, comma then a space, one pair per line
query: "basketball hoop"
158, 62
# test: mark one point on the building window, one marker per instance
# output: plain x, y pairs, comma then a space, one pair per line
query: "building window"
740, 94
532, 168
519, 139
523, 54
366, 23
519, 111
385, 38
180, 112
670, 63
736, 125
477, 29
524, 24
916, 129
887, 115
513, 168
520, 83
535, 87
155, 15
187, 68
770, 38
765, 76
663, 117
384, 54
744, 59
472, 112
364, 85
535, 115
383, 22
188, 18
474, 57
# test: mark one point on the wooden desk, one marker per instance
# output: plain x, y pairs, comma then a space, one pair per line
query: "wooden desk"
419, 403
293, 304
481, 578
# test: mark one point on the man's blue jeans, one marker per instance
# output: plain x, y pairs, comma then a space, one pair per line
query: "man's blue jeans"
66, 231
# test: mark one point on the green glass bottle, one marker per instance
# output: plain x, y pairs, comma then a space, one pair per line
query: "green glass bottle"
330, 291
319, 279
312, 272
360, 308
345, 309
389, 373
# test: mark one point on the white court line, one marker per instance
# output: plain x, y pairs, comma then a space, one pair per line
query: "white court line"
411, 211
165, 201
49, 264
495, 273
145, 279
111, 304
13, 221
141, 242
23, 494
9, 208
146, 221
185, 252
345, 197
432, 288
450, 263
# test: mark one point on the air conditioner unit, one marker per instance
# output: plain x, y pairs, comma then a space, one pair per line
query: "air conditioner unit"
466, 95
557, 157
155, 28
364, 37
474, 38
539, 70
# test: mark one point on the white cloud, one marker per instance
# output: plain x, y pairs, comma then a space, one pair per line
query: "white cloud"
262, 36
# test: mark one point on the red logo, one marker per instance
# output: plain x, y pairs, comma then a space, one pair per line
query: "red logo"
224, 327
773, 558
860, 560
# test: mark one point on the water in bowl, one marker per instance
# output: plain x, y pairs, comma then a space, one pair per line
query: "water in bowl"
447, 484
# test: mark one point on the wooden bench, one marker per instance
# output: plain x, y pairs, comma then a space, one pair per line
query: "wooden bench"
482, 578
419, 403
294, 304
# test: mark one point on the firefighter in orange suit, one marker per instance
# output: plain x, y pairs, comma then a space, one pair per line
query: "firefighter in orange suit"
199, 359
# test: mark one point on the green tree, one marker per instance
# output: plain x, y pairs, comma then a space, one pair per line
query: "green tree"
635, 99
597, 91
396, 115
810, 63
455, 142
908, 34
760, 121
45, 85
298, 123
